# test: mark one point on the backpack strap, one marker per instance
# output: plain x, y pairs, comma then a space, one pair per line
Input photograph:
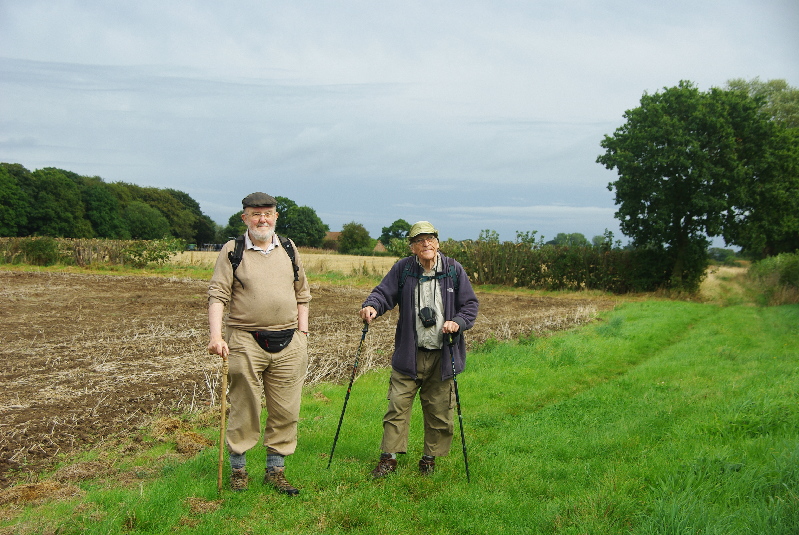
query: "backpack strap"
235, 256
290, 251
408, 270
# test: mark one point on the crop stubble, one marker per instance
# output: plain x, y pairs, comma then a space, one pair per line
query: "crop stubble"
88, 357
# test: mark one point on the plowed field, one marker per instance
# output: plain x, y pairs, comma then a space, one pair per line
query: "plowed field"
85, 357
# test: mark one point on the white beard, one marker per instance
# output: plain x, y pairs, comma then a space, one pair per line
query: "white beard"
263, 233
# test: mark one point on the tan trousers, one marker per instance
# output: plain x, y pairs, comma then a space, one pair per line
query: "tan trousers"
437, 398
280, 377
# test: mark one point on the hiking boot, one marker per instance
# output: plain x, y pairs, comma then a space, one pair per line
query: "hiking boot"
427, 465
276, 477
239, 480
385, 466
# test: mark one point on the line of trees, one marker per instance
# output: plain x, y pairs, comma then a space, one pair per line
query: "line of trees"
58, 203
62, 204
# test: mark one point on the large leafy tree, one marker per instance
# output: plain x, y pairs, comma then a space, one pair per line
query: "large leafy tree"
300, 223
284, 207
397, 229
684, 159
765, 220
354, 237
305, 227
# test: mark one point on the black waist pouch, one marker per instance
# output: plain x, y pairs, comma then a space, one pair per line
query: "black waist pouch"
273, 341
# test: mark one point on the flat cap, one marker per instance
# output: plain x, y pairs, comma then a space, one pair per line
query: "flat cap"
258, 199
422, 227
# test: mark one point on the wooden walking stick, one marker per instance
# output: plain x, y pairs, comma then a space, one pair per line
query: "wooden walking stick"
223, 403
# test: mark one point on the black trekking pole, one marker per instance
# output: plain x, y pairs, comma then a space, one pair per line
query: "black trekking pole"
349, 389
451, 343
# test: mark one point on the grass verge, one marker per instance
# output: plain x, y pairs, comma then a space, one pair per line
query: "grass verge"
664, 417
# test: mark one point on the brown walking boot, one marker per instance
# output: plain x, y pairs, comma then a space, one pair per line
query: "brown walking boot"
276, 477
427, 465
385, 466
239, 479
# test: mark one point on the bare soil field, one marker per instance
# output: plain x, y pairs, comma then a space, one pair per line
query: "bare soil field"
89, 357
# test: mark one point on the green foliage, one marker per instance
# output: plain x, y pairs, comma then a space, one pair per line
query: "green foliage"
722, 257
575, 239
354, 237
776, 279
489, 236
781, 101
142, 252
528, 238
398, 247
397, 230
766, 219
235, 227
283, 207
58, 203
13, 201
40, 251
103, 210
550, 267
143, 222
694, 164
301, 224
56, 207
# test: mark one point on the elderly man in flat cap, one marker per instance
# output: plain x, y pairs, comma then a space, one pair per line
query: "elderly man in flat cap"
436, 299
260, 280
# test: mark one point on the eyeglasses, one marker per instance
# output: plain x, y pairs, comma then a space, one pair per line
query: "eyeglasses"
258, 215
431, 239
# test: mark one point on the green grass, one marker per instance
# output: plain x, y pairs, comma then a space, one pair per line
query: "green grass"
663, 418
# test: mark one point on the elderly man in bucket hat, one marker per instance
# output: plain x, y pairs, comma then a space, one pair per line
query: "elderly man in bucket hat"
436, 299
261, 281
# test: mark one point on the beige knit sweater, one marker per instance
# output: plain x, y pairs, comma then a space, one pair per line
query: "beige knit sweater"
268, 300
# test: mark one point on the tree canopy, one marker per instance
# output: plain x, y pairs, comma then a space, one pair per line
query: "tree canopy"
300, 223
575, 239
59, 203
354, 237
695, 164
780, 101
397, 229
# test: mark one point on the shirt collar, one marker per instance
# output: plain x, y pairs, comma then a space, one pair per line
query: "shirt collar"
249, 245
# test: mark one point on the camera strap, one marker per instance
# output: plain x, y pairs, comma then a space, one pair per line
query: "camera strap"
425, 278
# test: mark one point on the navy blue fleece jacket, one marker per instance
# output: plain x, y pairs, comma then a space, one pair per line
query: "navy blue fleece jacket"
459, 306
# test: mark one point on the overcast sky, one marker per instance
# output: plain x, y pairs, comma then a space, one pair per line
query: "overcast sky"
473, 115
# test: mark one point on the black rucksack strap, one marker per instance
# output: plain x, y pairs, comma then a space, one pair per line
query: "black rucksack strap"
290, 251
408, 270
235, 256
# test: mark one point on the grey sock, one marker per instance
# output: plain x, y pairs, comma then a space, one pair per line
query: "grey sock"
274, 460
238, 461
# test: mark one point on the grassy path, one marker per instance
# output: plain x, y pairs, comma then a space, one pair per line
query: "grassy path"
663, 418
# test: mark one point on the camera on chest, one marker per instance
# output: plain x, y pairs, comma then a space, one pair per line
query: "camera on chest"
428, 317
